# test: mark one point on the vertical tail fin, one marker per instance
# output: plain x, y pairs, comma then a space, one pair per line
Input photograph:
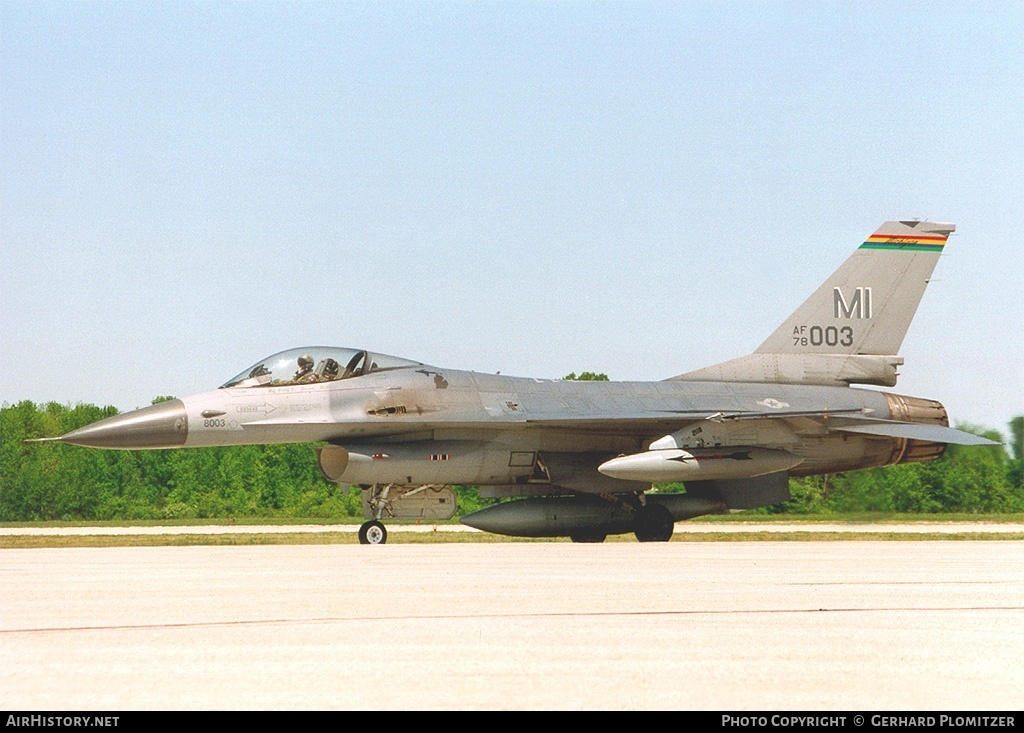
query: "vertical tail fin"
851, 327
868, 303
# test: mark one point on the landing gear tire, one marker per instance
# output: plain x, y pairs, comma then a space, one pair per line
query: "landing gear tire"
653, 523
372, 533
596, 537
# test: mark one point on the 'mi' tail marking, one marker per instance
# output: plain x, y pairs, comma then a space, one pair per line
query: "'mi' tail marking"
868, 303
851, 328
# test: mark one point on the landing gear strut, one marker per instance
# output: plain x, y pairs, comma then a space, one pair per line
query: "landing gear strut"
422, 502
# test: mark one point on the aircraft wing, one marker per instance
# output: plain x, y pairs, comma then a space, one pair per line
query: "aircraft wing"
847, 421
639, 424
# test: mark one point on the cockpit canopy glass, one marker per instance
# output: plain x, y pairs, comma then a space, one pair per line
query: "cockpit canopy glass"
314, 364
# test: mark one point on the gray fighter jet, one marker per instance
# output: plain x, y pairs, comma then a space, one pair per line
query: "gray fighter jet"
578, 459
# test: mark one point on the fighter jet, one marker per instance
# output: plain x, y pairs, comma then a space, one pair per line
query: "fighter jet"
578, 459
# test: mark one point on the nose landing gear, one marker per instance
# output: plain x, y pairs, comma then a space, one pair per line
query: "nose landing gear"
422, 502
372, 533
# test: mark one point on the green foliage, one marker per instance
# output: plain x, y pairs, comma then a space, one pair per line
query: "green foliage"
965, 479
1015, 469
586, 377
36, 480
670, 488
59, 481
1017, 437
809, 496
469, 500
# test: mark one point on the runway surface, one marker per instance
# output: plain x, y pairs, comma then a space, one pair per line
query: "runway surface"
721, 626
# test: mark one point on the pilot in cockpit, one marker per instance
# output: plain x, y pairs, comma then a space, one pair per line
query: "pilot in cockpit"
328, 369
305, 372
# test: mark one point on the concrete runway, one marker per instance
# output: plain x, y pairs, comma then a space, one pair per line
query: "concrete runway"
719, 626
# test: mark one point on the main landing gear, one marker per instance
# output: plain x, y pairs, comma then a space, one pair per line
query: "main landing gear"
650, 522
653, 523
589, 537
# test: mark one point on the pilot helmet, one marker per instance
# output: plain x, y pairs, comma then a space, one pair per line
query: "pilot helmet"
305, 361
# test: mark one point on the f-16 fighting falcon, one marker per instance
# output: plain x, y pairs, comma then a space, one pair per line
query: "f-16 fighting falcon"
578, 459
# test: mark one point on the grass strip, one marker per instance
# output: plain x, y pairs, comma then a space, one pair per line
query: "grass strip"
418, 538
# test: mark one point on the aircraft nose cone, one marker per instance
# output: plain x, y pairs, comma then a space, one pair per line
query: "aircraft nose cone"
163, 425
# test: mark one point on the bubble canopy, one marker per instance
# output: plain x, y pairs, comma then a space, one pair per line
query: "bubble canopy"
314, 364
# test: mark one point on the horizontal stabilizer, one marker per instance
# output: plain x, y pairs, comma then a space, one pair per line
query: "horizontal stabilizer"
917, 431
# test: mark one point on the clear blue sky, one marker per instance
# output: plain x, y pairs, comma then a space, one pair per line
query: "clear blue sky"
533, 187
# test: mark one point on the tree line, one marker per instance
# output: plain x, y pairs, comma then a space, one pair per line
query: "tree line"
47, 481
